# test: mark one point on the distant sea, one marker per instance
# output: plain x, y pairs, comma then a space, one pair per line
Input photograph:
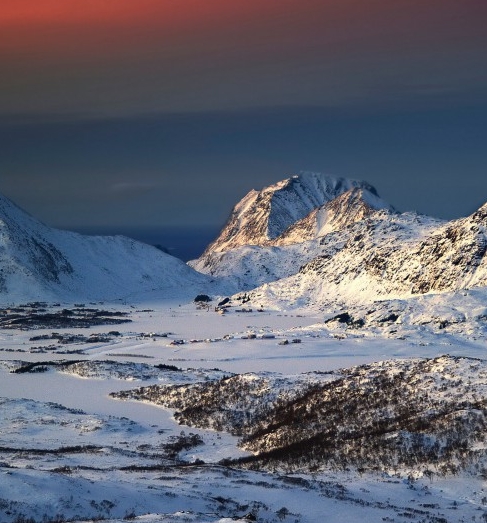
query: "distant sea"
184, 243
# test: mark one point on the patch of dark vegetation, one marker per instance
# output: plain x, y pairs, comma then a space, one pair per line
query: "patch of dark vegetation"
344, 317
183, 441
67, 338
40, 368
347, 319
391, 318
225, 301
202, 298
230, 404
76, 449
43, 366
163, 366
423, 415
88, 368
36, 304
129, 355
26, 319
244, 298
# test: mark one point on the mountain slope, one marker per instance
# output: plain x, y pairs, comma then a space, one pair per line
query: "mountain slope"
246, 255
450, 257
376, 259
39, 263
352, 206
248, 266
422, 416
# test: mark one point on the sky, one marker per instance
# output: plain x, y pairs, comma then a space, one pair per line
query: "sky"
153, 116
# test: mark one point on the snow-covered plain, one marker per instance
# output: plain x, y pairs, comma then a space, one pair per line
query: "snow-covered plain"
71, 452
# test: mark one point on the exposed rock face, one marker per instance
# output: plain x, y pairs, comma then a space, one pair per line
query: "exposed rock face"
378, 260
262, 216
451, 258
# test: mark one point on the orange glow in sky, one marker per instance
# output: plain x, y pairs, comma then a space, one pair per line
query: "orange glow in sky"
63, 27
129, 12
69, 49
85, 11
211, 90
48, 23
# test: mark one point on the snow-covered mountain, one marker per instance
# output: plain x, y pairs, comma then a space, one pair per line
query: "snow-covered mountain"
303, 241
353, 247
41, 263
246, 254
263, 216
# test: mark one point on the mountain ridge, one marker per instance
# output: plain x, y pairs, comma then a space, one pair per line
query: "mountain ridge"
375, 260
38, 263
301, 240
262, 216
351, 206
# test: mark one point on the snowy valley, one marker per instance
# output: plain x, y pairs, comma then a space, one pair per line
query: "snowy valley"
332, 369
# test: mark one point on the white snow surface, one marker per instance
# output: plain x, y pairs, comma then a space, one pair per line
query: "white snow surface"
39, 263
68, 450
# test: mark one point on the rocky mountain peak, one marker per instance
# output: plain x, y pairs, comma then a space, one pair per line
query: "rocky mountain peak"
262, 216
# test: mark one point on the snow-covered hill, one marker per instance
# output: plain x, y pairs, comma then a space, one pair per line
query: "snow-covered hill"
395, 257
377, 423
41, 263
425, 416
